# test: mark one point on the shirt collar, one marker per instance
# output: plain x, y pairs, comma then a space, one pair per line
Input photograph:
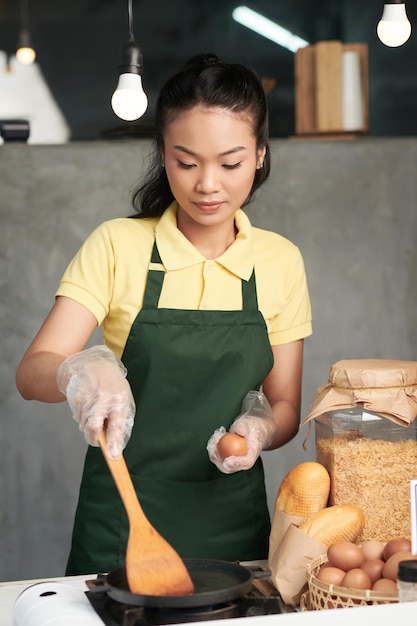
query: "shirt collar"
177, 251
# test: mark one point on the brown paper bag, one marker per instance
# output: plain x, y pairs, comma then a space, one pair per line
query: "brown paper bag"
280, 523
288, 563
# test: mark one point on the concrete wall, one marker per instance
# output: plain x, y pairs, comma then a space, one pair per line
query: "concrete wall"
351, 206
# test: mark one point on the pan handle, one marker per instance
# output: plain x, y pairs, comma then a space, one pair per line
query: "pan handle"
258, 570
99, 584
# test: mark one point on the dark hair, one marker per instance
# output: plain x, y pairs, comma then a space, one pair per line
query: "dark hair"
204, 80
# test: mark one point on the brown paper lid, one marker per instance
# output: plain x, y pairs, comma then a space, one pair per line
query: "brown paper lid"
386, 387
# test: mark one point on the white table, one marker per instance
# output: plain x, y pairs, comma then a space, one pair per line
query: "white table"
404, 613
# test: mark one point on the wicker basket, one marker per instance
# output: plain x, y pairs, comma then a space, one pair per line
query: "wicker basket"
322, 595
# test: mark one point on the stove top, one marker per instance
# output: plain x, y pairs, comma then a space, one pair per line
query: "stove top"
68, 603
262, 599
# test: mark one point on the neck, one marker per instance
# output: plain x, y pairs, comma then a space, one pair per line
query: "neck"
210, 241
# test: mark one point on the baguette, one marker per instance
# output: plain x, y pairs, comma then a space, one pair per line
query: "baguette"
304, 490
342, 522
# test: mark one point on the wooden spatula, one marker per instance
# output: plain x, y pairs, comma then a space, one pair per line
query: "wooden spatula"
153, 567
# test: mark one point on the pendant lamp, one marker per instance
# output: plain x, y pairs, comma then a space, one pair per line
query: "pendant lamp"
394, 28
25, 52
129, 101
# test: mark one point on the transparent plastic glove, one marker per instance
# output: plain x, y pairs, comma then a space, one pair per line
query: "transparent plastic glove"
94, 383
256, 424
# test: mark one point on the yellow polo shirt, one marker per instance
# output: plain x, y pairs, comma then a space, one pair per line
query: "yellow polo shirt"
108, 276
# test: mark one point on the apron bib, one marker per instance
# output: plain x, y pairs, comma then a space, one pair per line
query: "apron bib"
189, 371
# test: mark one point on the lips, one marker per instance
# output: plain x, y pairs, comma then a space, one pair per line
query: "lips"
208, 206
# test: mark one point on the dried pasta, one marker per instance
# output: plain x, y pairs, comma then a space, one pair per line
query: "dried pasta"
374, 475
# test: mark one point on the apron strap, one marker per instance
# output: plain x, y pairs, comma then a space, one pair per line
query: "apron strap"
156, 278
249, 295
155, 257
154, 281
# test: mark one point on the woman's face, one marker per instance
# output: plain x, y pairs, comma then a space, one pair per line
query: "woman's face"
210, 158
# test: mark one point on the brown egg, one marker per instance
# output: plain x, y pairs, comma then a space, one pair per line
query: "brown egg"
356, 578
396, 545
373, 549
373, 567
330, 575
345, 555
232, 444
390, 569
385, 585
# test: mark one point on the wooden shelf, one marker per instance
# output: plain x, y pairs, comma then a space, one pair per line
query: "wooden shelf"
319, 88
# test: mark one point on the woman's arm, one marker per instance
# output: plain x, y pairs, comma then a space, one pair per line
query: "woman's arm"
66, 330
93, 380
282, 387
264, 431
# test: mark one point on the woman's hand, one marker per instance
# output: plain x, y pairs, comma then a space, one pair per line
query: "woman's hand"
94, 383
269, 419
258, 427
55, 367
259, 432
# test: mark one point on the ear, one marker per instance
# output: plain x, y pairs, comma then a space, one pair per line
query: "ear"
261, 157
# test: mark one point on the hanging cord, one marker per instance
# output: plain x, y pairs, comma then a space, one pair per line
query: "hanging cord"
24, 14
130, 20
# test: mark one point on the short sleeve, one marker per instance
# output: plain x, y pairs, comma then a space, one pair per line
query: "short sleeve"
89, 277
293, 321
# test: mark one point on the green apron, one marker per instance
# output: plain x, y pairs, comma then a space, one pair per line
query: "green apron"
189, 372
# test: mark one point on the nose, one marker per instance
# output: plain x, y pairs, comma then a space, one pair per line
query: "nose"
207, 181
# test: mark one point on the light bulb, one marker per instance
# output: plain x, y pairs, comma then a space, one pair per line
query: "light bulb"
394, 28
25, 56
129, 101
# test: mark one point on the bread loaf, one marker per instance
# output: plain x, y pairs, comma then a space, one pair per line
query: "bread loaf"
342, 522
304, 490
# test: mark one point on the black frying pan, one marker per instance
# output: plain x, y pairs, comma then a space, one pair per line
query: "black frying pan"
215, 582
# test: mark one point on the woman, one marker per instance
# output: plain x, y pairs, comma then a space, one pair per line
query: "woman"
202, 310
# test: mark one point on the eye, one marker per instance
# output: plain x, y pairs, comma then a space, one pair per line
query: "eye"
185, 166
234, 166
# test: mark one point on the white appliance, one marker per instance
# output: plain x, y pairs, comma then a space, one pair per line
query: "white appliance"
54, 604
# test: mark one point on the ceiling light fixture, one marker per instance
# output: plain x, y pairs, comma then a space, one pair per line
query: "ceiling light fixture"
25, 53
394, 28
267, 28
129, 101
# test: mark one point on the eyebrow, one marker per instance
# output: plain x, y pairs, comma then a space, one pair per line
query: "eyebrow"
231, 151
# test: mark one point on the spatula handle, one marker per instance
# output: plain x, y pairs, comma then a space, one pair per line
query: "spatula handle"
123, 481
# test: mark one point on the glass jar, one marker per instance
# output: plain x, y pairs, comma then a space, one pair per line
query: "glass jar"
407, 581
371, 461
366, 437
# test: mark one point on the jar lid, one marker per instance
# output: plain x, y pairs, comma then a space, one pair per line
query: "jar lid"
407, 571
385, 387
